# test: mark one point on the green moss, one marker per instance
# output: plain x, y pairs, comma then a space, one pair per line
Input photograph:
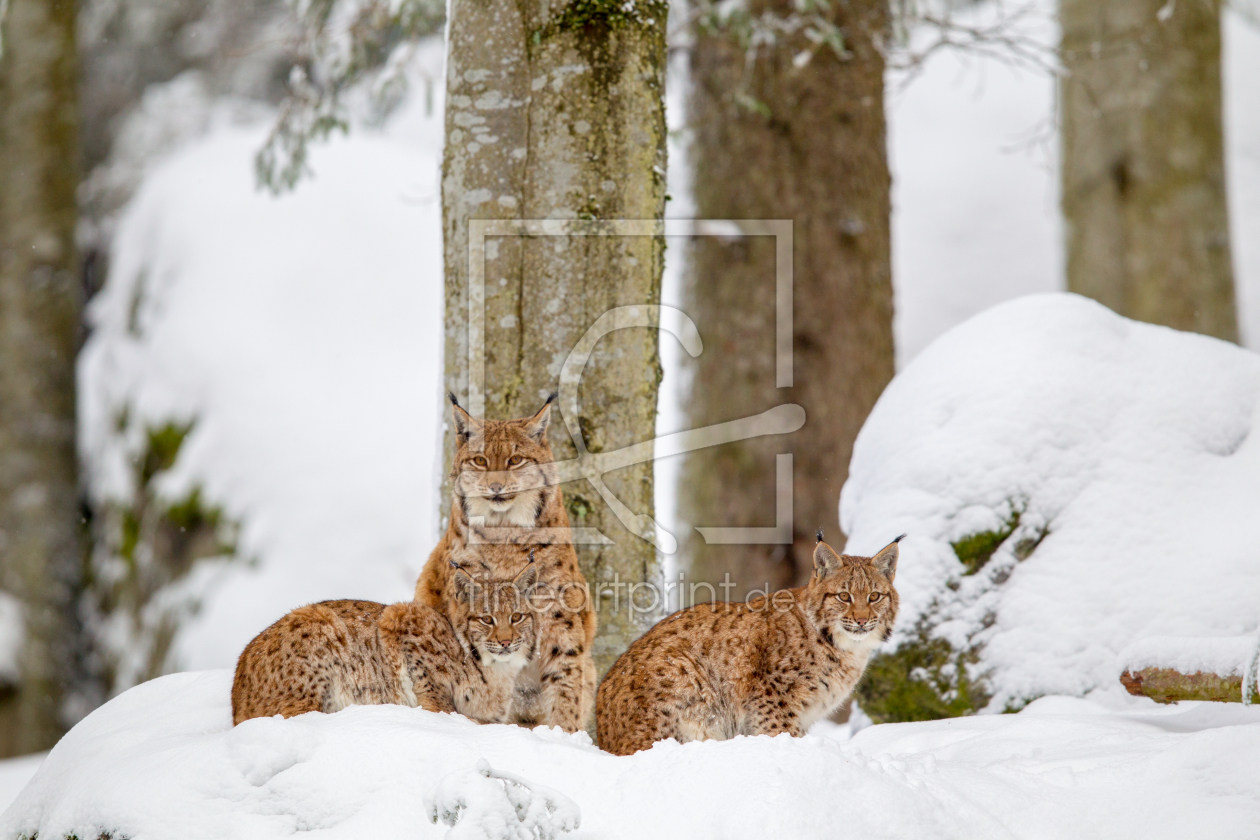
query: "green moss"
927, 678
975, 550
578, 506
155, 542
579, 15
191, 513
164, 443
923, 679
130, 535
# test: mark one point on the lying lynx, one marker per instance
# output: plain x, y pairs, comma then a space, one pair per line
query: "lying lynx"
776, 664
505, 494
326, 656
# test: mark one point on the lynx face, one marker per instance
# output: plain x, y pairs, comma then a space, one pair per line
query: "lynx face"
853, 598
503, 468
495, 615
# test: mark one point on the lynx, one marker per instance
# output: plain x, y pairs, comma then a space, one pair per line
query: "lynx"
775, 664
324, 657
505, 493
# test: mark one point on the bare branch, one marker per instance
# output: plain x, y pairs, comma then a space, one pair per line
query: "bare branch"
345, 43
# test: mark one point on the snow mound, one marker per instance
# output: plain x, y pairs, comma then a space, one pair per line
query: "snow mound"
487, 804
1071, 482
163, 761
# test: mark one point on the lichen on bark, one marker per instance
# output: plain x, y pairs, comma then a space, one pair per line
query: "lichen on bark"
557, 112
41, 554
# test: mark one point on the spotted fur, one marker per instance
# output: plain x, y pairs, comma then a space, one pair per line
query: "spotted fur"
775, 664
326, 656
506, 501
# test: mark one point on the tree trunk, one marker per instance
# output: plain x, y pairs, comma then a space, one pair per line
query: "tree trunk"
556, 112
778, 141
1143, 161
39, 323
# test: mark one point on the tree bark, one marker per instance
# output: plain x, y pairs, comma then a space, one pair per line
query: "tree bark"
39, 323
556, 112
774, 140
1144, 162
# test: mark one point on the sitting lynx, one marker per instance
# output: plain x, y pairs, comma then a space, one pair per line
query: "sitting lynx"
505, 495
326, 656
776, 664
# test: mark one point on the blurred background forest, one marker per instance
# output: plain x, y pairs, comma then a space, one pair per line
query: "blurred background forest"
222, 279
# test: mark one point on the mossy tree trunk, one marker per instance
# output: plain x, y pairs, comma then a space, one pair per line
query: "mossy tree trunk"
40, 553
1143, 161
555, 111
775, 140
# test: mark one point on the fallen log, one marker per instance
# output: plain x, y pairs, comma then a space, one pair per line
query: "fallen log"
1168, 669
1164, 685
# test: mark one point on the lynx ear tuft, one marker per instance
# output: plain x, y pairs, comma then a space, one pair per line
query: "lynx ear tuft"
536, 426
450, 395
465, 424
826, 561
819, 534
886, 560
528, 576
464, 584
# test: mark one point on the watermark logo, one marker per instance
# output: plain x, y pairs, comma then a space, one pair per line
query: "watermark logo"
645, 599
593, 466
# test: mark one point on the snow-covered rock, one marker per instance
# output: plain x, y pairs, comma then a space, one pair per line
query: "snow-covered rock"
1071, 481
163, 761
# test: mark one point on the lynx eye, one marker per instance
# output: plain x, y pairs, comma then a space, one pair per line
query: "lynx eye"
844, 596
479, 461
515, 461
486, 619
874, 597
517, 618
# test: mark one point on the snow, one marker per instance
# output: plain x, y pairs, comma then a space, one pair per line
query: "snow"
12, 633
1223, 656
975, 188
303, 336
484, 802
15, 773
1240, 67
162, 760
1132, 445
973, 150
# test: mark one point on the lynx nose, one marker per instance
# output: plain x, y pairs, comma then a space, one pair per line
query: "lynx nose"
496, 487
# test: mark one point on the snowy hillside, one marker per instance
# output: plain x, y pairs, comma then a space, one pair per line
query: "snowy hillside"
1071, 482
300, 337
162, 760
